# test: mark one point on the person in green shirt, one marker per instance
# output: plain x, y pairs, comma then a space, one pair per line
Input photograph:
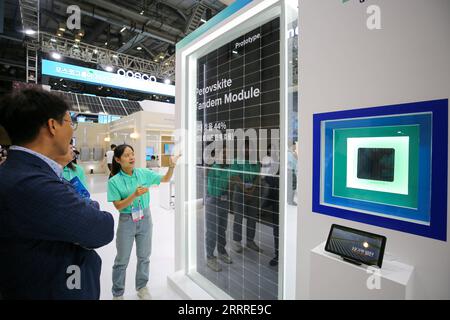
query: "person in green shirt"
216, 213
73, 170
246, 180
70, 168
128, 190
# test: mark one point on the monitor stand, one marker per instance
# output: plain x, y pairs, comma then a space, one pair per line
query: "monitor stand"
352, 261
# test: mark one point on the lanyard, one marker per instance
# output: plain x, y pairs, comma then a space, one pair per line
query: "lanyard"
130, 192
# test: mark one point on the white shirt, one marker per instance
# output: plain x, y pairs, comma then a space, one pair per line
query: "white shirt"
109, 156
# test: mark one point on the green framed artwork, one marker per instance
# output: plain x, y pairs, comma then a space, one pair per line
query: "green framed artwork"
402, 190
384, 166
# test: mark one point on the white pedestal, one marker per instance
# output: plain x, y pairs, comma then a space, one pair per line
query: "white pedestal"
333, 278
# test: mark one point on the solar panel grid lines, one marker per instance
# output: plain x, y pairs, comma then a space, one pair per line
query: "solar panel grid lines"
252, 217
90, 104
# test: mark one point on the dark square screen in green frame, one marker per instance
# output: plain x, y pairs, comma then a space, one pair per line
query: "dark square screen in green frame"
376, 164
362, 176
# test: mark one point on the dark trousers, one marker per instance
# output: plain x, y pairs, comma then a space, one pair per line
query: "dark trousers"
216, 217
245, 206
272, 203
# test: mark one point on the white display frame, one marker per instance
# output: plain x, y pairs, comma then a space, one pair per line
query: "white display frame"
401, 147
249, 17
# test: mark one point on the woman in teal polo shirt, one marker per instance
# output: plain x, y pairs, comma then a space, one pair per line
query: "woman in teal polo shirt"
128, 190
73, 170
70, 168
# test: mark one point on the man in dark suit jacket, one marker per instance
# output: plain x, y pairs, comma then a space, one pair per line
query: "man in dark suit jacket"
47, 231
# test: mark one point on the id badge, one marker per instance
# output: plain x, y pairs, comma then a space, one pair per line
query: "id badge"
137, 214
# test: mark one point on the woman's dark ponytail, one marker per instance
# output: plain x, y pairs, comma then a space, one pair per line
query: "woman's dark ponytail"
118, 152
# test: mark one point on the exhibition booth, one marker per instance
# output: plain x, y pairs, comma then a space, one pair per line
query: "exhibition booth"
236, 82
150, 131
373, 120
313, 138
369, 219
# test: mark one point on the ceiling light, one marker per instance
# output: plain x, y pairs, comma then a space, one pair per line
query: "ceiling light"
109, 68
81, 33
139, 48
166, 63
123, 29
134, 135
53, 40
95, 51
202, 20
30, 32
115, 56
142, 12
106, 43
156, 60
167, 81
59, 34
62, 26
161, 56
56, 55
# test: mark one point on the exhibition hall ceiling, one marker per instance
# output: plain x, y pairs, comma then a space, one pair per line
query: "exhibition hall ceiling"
147, 29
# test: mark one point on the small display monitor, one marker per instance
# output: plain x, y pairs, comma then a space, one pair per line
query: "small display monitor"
376, 164
356, 246
149, 152
168, 148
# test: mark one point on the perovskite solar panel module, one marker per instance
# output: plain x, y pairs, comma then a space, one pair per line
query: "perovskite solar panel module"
376, 164
238, 88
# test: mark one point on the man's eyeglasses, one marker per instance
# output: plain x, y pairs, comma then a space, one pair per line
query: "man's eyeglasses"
74, 125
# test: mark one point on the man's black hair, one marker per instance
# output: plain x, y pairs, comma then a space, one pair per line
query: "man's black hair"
23, 113
113, 146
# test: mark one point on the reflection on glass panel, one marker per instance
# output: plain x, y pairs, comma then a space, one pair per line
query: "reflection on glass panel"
238, 122
376, 164
292, 105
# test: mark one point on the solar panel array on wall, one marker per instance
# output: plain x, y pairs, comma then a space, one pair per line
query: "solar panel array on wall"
82, 103
113, 106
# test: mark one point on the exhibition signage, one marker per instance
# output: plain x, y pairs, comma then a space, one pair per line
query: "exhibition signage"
122, 79
237, 96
